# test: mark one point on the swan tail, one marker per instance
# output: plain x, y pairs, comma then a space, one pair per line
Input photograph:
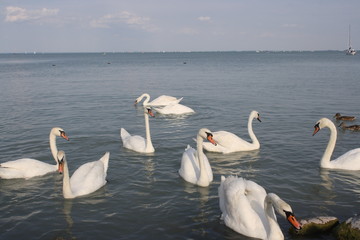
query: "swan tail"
179, 100
105, 161
124, 134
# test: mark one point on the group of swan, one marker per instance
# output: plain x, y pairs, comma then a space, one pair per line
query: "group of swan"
246, 207
164, 104
86, 179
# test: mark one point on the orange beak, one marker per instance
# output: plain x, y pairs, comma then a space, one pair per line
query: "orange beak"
292, 220
210, 139
63, 135
61, 167
150, 112
316, 129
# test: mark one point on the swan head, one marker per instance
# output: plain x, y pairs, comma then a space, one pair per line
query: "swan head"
149, 111
206, 134
61, 158
283, 209
323, 122
256, 115
141, 97
60, 133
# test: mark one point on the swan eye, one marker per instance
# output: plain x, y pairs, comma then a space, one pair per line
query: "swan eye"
209, 134
288, 214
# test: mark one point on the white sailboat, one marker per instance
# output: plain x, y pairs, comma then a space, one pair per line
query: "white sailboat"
350, 50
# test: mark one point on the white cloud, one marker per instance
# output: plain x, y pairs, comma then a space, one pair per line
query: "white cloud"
18, 14
204, 19
128, 18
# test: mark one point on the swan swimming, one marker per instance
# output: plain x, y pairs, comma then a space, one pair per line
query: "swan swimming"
88, 178
28, 167
174, 109
138, 143
348, 161
228, 142
162, 100
195, 167
249, 210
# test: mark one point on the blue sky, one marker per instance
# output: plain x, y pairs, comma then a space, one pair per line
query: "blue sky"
182, 25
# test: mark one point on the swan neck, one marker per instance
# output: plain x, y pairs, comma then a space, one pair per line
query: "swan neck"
325, 160
202, 181
147, 98
254, 139
274, 231
149, 146
53, 146
66, 182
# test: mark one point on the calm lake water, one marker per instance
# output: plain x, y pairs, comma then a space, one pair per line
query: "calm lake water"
91, 96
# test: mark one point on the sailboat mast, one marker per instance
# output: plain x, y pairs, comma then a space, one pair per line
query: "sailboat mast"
349, 36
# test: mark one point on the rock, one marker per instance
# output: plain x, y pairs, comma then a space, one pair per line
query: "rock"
349, 230
316, 225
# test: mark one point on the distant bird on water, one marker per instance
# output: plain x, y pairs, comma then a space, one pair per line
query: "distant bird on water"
351, 127
344, 118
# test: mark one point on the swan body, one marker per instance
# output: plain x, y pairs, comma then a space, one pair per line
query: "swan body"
195, 167
344, 118
162, 100
228, 142
348, 161
174, 109
27, 167
249, 210
138, 143
88, 178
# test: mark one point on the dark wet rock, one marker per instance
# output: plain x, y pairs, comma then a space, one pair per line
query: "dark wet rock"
349, 230
316, 225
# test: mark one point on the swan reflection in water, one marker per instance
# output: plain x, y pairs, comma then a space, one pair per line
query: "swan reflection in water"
237, 163
349, 180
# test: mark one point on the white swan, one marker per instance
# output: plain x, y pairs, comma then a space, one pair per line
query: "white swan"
228, 142
174, 109
195, 167
249, 210
88, 178
162, 100
138, 143
348, 161
27, 167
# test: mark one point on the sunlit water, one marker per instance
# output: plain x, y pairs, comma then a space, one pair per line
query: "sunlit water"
91, 96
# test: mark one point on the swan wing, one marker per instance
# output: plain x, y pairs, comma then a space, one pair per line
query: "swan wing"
25, 168
207, 167
136, 143
189, 169
227, 142
89, 177
174, 109
348, 161
164, 100
237, 202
